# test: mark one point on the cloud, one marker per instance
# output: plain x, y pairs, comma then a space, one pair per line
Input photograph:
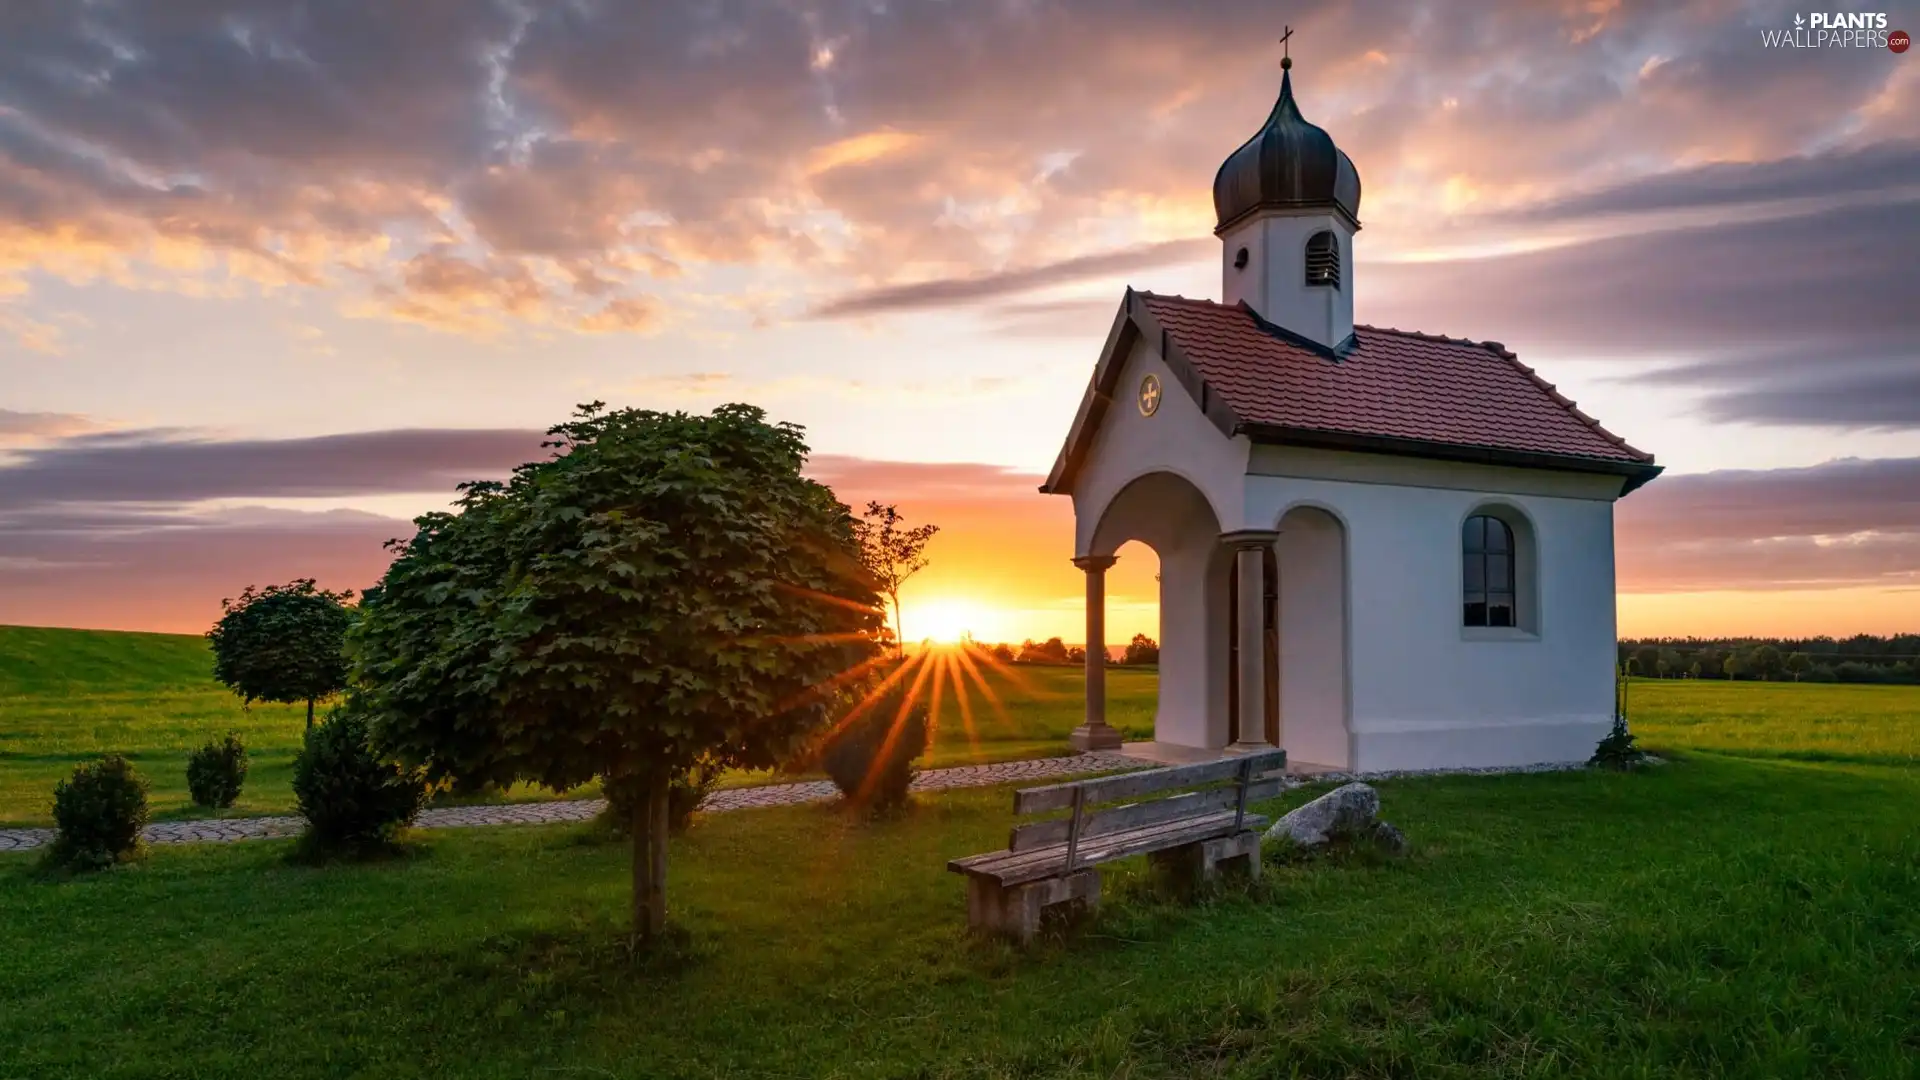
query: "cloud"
161, 467
581, 156
1875, 169
95, 520
27, 427
860, 479
167, 570
951, 292
1795, 320
1843, 523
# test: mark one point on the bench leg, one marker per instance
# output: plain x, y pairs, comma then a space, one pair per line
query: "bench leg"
1242, 850
1014, 910
1198, 864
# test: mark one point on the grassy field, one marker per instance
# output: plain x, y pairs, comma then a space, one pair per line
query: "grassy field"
67, 696
1713, 917
1746, 910
1869, 725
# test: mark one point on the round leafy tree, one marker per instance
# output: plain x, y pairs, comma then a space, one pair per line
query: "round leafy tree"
666, 590
283, 643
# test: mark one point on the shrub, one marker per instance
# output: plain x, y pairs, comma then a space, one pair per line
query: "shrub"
684, 796
99, 814
1617, 749
216, 771
354, 801
870, 757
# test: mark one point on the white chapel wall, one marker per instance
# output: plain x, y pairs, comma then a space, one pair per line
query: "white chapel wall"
1426, 692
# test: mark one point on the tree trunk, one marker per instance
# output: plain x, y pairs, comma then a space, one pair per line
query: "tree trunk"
899, 636
650, 861
309, 714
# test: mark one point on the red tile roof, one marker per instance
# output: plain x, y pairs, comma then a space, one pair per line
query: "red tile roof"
1391, 384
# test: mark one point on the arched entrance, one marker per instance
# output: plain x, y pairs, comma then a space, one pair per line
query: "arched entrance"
1311, 554
1167, 513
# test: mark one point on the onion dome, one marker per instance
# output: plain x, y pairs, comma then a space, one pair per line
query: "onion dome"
1289, 164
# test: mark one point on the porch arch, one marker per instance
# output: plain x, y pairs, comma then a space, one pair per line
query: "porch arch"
1315, 636
1170, 514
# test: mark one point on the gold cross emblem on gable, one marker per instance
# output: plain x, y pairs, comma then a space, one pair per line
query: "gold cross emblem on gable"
1149, 395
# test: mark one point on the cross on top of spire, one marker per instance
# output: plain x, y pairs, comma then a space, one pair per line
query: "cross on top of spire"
1286, 52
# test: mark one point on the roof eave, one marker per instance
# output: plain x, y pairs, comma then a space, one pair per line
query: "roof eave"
1634, 473
1093, 403
1133, 324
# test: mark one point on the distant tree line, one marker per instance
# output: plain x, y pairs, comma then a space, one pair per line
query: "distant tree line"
1142, 651
1862, 658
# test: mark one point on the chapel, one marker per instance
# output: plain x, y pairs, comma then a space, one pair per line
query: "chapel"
1379, 549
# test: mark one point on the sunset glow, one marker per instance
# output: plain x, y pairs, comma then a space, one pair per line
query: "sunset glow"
945, 621
369, 282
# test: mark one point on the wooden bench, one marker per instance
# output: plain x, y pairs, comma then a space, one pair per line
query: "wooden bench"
1052, 862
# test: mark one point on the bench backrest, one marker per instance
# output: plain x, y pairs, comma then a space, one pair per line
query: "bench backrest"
1245, 773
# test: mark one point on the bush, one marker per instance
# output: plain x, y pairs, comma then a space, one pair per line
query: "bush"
870, 758
1617, 749
684, 796
354, 801
216, 771
99, 814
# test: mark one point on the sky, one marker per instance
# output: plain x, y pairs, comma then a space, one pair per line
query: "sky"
275, 276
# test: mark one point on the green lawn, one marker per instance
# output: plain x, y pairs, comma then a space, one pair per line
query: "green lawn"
67, 696
1875, 725
1747, 910
1716, 916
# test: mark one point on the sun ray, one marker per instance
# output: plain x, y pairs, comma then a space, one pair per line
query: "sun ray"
986, 691
923, 671
950, 663
1012, 674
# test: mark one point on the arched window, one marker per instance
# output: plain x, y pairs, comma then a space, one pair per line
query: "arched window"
1488, 573
1323, 259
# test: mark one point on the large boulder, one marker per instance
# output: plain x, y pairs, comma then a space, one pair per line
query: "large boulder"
1352, 812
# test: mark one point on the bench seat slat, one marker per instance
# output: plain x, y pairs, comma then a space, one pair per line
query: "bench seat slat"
1128, 785
1018, 867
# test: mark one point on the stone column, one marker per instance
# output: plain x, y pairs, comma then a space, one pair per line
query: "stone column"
1094, 734
1250, 548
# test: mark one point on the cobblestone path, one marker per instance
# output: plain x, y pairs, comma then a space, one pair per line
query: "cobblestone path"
545, 813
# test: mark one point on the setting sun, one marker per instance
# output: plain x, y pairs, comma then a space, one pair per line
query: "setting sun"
944, 621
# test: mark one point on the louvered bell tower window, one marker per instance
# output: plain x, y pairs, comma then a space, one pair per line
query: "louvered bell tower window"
1323, 260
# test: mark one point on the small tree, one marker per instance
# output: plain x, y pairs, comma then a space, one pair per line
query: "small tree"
1646, 661
1050, 651
891, 553
1141, 650
667, 591
283, 643
1766, 661
1737, 665
1002, 653
1798, 664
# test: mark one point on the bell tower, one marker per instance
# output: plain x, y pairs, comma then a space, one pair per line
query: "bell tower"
1288, 206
